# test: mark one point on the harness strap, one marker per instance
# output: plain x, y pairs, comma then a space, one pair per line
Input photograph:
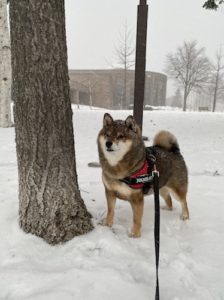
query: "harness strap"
142, 179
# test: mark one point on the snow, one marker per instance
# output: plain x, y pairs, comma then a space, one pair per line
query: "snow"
106, 263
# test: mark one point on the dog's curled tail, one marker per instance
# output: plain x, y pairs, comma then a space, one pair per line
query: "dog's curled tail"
166, 140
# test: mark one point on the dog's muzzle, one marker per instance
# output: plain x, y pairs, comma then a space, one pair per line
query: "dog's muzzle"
108, 146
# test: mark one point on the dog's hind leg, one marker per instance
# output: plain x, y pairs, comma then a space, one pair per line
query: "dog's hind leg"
111, 201
181, 195
164, 192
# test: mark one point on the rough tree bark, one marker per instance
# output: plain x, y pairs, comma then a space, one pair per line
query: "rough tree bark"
5, 68
50, 205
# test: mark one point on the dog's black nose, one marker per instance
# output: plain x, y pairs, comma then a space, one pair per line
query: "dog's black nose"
109, 144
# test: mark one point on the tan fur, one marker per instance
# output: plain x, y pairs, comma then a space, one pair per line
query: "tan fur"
122, 152
165, 139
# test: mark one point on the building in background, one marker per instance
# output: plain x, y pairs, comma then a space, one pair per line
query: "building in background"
106, 88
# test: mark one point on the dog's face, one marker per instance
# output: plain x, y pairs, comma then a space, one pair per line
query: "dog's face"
117, 137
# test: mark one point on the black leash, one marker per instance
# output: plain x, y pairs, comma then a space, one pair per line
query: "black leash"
156, 226
148, 181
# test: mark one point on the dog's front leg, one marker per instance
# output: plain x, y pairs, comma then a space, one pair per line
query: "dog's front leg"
137, 207
111, 201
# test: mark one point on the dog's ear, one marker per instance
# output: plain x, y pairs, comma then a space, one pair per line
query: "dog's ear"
131, 124
107, 120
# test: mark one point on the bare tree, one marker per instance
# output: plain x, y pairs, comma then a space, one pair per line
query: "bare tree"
5, 68
189, 67
125, 56
216, 84
50, 204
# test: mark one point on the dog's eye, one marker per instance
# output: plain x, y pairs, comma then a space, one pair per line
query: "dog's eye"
107, 135
120, 136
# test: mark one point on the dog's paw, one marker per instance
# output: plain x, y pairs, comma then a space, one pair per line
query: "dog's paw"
105, 222
184, 217
165, 207
135, 234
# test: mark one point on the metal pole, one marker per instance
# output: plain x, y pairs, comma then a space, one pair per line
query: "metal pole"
140, 60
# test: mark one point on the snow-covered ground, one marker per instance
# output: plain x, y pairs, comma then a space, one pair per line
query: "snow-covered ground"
106, 264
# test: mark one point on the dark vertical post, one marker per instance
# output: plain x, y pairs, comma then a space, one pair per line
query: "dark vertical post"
140, 60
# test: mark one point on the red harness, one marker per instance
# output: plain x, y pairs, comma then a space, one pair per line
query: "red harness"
140, 173
143, 178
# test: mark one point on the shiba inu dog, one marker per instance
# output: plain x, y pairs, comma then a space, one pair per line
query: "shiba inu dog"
122, 153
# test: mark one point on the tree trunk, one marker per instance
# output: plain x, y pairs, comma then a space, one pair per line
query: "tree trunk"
214, 101
185, 100
50, 205
125, 105
215, 91
5, 68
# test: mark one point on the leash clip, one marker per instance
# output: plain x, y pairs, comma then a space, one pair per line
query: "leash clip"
155, 171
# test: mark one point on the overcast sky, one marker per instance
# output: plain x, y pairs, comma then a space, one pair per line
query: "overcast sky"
93, 28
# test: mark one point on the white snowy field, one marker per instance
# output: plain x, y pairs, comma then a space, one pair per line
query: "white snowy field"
106, 264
